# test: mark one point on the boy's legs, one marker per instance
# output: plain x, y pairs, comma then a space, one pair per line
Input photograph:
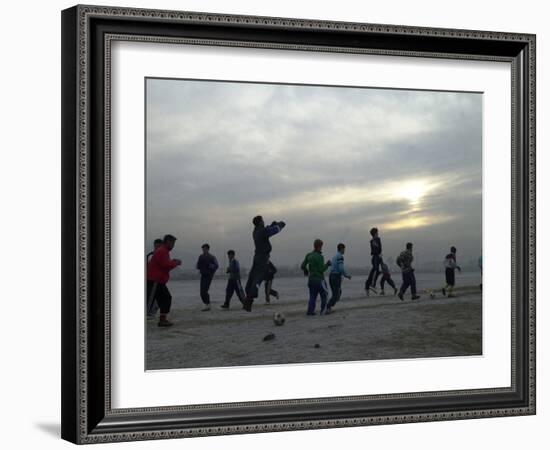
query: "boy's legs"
164, 299
313, 286
335, 282
405, 285
323, 293
229, 290
413, 285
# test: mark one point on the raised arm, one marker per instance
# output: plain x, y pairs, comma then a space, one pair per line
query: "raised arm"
274, 228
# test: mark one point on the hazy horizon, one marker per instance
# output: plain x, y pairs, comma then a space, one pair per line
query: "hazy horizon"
332, 162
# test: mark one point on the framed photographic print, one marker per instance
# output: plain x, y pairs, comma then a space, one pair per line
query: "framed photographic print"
279, 224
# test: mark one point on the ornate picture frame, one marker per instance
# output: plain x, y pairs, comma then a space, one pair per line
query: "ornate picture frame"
87, 35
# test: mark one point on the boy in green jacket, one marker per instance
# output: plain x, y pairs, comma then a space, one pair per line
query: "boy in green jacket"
314, 266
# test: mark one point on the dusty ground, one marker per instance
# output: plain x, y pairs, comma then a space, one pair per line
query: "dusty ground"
360, 328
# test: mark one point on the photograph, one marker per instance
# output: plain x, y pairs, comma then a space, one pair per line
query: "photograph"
296, 223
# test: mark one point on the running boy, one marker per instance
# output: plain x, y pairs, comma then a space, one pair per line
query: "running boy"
404, 261
158, 274
207, 265
376, 253
386, 278
234, 281
337, 271
450, 266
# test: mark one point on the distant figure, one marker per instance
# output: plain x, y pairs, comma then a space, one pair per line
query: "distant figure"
158, 274
262, 250
207, 265
314, 266
152, 304
404, 261
386, 278
450, 266
268, 283
337, 271
376, 253
234, 281
480, 264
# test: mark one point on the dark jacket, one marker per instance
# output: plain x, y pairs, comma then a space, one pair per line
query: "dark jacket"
261, 235
207, 264
234, 270
375, 246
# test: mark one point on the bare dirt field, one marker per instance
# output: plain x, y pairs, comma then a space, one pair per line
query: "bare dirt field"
361, 328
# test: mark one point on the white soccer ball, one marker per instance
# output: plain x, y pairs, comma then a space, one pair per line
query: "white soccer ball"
279, 318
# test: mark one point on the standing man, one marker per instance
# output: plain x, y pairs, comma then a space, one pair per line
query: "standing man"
153, 306
234, 280
207, 265
376, 252
269, 276
337, 271
404, 261
450, 266
314, 266
158, 274
262, 250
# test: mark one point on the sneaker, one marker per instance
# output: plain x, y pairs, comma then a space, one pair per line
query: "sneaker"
373, 290
367, 292
382, 293
206, 307
224, 306
415, 297
328, 310
443, 291
394, 291
277, 296
311, 314
267, 302
400, 295
165, 323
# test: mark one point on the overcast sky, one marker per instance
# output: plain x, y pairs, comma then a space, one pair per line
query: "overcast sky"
332, 162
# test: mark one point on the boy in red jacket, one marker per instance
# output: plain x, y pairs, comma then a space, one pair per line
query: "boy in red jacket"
158, 274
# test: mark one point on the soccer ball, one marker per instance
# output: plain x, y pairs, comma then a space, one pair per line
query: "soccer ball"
278, 318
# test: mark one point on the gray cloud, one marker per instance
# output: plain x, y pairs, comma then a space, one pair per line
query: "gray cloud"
330, 161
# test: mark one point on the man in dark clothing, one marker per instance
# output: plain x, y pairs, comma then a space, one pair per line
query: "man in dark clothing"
262, 250
207, 266
234, 281
404, 261
268, 283
376, 253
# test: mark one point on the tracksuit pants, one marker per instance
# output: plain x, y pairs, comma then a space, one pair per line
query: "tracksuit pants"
316, 287
206, 280
409, 280
335, 281
374, 272
256, 275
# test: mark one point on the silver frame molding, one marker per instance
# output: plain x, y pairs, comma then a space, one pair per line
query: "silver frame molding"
87, 35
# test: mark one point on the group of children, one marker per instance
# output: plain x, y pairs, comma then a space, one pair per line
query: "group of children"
314, 266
